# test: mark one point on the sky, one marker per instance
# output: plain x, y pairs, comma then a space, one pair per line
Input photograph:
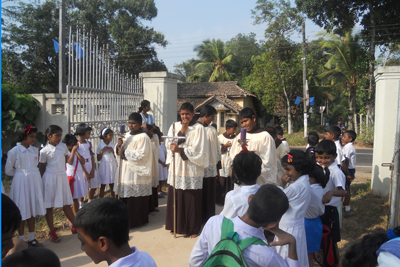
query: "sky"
186, 23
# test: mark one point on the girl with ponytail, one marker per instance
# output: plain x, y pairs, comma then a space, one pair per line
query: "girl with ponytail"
146, 118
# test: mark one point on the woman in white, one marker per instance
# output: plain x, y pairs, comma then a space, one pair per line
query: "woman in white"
108, 163
26, 187
56, 191
297, 166
146, 118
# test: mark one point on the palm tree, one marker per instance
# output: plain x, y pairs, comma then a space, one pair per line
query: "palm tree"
342, 68
215, 57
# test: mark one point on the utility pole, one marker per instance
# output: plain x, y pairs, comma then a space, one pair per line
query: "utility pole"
61, 51
305, 93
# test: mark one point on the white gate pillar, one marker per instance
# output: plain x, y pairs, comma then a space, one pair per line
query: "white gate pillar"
386, 103
160, 88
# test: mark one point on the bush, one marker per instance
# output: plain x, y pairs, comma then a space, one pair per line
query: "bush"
367, 136
17, 109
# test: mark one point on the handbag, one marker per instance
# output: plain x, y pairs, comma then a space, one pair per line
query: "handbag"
327, 254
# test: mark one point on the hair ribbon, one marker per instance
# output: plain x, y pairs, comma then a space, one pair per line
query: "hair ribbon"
245, 150
290, 157
104, 130
28, 129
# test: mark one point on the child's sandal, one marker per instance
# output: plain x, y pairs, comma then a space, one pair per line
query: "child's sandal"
54, 237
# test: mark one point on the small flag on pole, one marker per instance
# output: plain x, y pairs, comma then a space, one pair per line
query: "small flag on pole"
78, 50
298, 99
56, 46
311, 101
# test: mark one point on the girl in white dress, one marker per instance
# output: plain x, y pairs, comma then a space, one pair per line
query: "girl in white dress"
83, 131
26, 187
162, 167
297, 166
108, 163
56, 190
75, 172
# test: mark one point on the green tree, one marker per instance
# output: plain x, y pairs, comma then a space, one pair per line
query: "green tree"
244, 47
282, 21
215, 57
28, 30
187, 69
345, 66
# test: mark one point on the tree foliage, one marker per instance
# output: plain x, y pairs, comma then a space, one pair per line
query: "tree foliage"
28, 30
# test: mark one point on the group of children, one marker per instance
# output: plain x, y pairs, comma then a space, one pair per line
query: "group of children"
63, 173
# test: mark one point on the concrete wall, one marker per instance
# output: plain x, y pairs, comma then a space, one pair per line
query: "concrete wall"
160, 88
52, 111
386, 103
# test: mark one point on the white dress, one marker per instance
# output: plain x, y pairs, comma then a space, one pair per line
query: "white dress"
80, 184
263, 145
155, 143
56, 190
26, 187
85, 151
162, 171
292, 222
108, 164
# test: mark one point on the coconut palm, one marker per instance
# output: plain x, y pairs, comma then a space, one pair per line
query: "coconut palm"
343, 67
215, 57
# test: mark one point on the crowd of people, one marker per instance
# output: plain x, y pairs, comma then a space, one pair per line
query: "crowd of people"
280, 206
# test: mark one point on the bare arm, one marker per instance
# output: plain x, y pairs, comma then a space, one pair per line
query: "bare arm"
339, 192
71, 158
42, 168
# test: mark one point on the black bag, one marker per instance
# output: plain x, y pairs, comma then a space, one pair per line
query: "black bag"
327, 254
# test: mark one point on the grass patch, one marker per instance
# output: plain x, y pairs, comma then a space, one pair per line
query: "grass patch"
370, 213
296, 139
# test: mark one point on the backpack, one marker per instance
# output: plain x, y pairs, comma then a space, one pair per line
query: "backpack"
326, 256
228, 251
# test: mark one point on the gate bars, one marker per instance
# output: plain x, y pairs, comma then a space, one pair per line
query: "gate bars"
98, 93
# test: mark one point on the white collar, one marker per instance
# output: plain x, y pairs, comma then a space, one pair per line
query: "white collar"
127, 260
250, 230
23, 149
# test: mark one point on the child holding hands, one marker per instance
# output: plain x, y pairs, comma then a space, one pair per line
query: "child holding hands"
297, 166
26, 187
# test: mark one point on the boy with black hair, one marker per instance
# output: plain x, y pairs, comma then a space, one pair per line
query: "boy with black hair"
224, 182
191, 158
281, 150
312, 141
279, 135
261, 143
31, 257
325, 153
333, 133
349, 155
207, 114
265, 210
103, 229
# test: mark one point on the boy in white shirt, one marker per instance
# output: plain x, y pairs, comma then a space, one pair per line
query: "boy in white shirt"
266, 208
349, 155
246, 168
103, 230
325, 154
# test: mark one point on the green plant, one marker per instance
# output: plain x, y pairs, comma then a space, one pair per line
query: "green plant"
17, 109
367, 135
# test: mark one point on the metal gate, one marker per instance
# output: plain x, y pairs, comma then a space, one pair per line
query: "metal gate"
98, 93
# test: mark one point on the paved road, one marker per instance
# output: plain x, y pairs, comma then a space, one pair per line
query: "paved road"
364, 160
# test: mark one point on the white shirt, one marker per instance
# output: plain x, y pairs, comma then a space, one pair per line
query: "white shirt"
316, 208
20, 157
336, 179
136, 259
237, 201
349, 152
54, 156
299, 197
339, 152
254, 255
148, 120
106, 154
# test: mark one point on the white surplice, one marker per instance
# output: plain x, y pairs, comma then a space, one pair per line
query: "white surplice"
214, 150
226, 160
263, 145
188, 173
155, 143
